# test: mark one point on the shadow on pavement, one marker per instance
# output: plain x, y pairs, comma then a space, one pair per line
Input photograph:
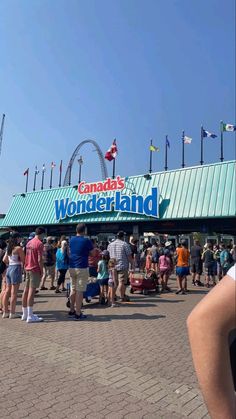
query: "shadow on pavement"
152, 300
57, 316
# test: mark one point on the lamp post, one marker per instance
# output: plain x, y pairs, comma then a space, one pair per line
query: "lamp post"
80, 161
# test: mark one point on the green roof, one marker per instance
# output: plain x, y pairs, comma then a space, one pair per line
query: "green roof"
196, 192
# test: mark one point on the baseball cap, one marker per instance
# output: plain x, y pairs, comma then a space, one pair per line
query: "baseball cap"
32, 235
120, 234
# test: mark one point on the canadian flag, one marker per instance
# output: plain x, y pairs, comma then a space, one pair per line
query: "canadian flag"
111, 152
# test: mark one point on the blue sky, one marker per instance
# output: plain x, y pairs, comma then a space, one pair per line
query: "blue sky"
99, 69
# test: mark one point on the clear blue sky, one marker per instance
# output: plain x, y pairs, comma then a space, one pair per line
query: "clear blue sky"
99, 69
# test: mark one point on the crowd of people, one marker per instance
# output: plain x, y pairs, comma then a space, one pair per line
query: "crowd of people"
42, 258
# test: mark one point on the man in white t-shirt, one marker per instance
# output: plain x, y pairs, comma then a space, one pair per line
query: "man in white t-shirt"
210, 325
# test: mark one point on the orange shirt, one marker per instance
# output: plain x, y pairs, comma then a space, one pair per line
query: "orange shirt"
183, 257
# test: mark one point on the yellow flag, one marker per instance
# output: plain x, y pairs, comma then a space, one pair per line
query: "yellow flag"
154, 148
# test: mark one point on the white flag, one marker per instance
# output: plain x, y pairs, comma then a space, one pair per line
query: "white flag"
229, 127
187, 140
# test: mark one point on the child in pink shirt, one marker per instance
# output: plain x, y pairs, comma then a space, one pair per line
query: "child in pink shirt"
165, 267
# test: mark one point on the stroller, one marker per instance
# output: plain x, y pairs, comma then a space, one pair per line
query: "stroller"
92, 290
144, 282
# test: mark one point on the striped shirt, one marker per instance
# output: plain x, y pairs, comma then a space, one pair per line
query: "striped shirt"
120, 251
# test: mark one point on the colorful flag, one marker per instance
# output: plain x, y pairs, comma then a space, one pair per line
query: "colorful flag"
153, 148
208, 134
187, 140
43, 168
229, 127
53, 165
26, 172
167, 143
112, 152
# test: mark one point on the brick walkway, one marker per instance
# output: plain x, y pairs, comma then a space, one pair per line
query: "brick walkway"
129, 362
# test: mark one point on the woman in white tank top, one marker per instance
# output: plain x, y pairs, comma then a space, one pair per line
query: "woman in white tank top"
14, 258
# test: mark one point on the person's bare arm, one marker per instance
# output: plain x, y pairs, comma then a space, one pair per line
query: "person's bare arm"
21, 255
209, 325
5, 259
130, 259
40, 261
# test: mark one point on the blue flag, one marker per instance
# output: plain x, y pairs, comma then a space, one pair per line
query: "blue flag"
208, 134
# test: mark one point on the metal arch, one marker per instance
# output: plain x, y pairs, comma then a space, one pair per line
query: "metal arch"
72, 159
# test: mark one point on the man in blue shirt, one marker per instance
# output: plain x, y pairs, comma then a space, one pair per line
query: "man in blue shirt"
80, 249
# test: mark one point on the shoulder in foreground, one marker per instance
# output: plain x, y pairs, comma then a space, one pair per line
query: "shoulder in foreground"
232, 272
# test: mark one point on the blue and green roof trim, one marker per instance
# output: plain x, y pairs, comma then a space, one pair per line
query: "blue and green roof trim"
207, 191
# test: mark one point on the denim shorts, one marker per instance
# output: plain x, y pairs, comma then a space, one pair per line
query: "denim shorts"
103, 281
182, 270
14, 275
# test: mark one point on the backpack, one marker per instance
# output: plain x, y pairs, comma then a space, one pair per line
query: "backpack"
3, 266
155, 256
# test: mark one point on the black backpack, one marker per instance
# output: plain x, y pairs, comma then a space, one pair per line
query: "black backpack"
3, 266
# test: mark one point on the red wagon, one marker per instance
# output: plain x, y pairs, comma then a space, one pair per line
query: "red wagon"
143, 282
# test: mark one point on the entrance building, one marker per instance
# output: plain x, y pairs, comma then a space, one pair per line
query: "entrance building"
169, 205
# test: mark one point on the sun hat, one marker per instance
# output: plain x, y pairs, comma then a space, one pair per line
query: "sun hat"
167, 244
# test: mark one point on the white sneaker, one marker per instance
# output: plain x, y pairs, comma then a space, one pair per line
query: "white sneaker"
5, 315
34, 319
23, 317
14, 316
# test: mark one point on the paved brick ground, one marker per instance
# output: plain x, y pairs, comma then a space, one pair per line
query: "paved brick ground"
129, 362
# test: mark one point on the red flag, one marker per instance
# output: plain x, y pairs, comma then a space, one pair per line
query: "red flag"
112, 152
26, 172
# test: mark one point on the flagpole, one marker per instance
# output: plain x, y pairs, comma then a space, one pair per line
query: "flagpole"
114, 168
183, 165
60, 174
221, 142
166, 154
42, 179
70, 174
51, 178
150, 167
27, 179
80, 161
201, 161
35, 175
